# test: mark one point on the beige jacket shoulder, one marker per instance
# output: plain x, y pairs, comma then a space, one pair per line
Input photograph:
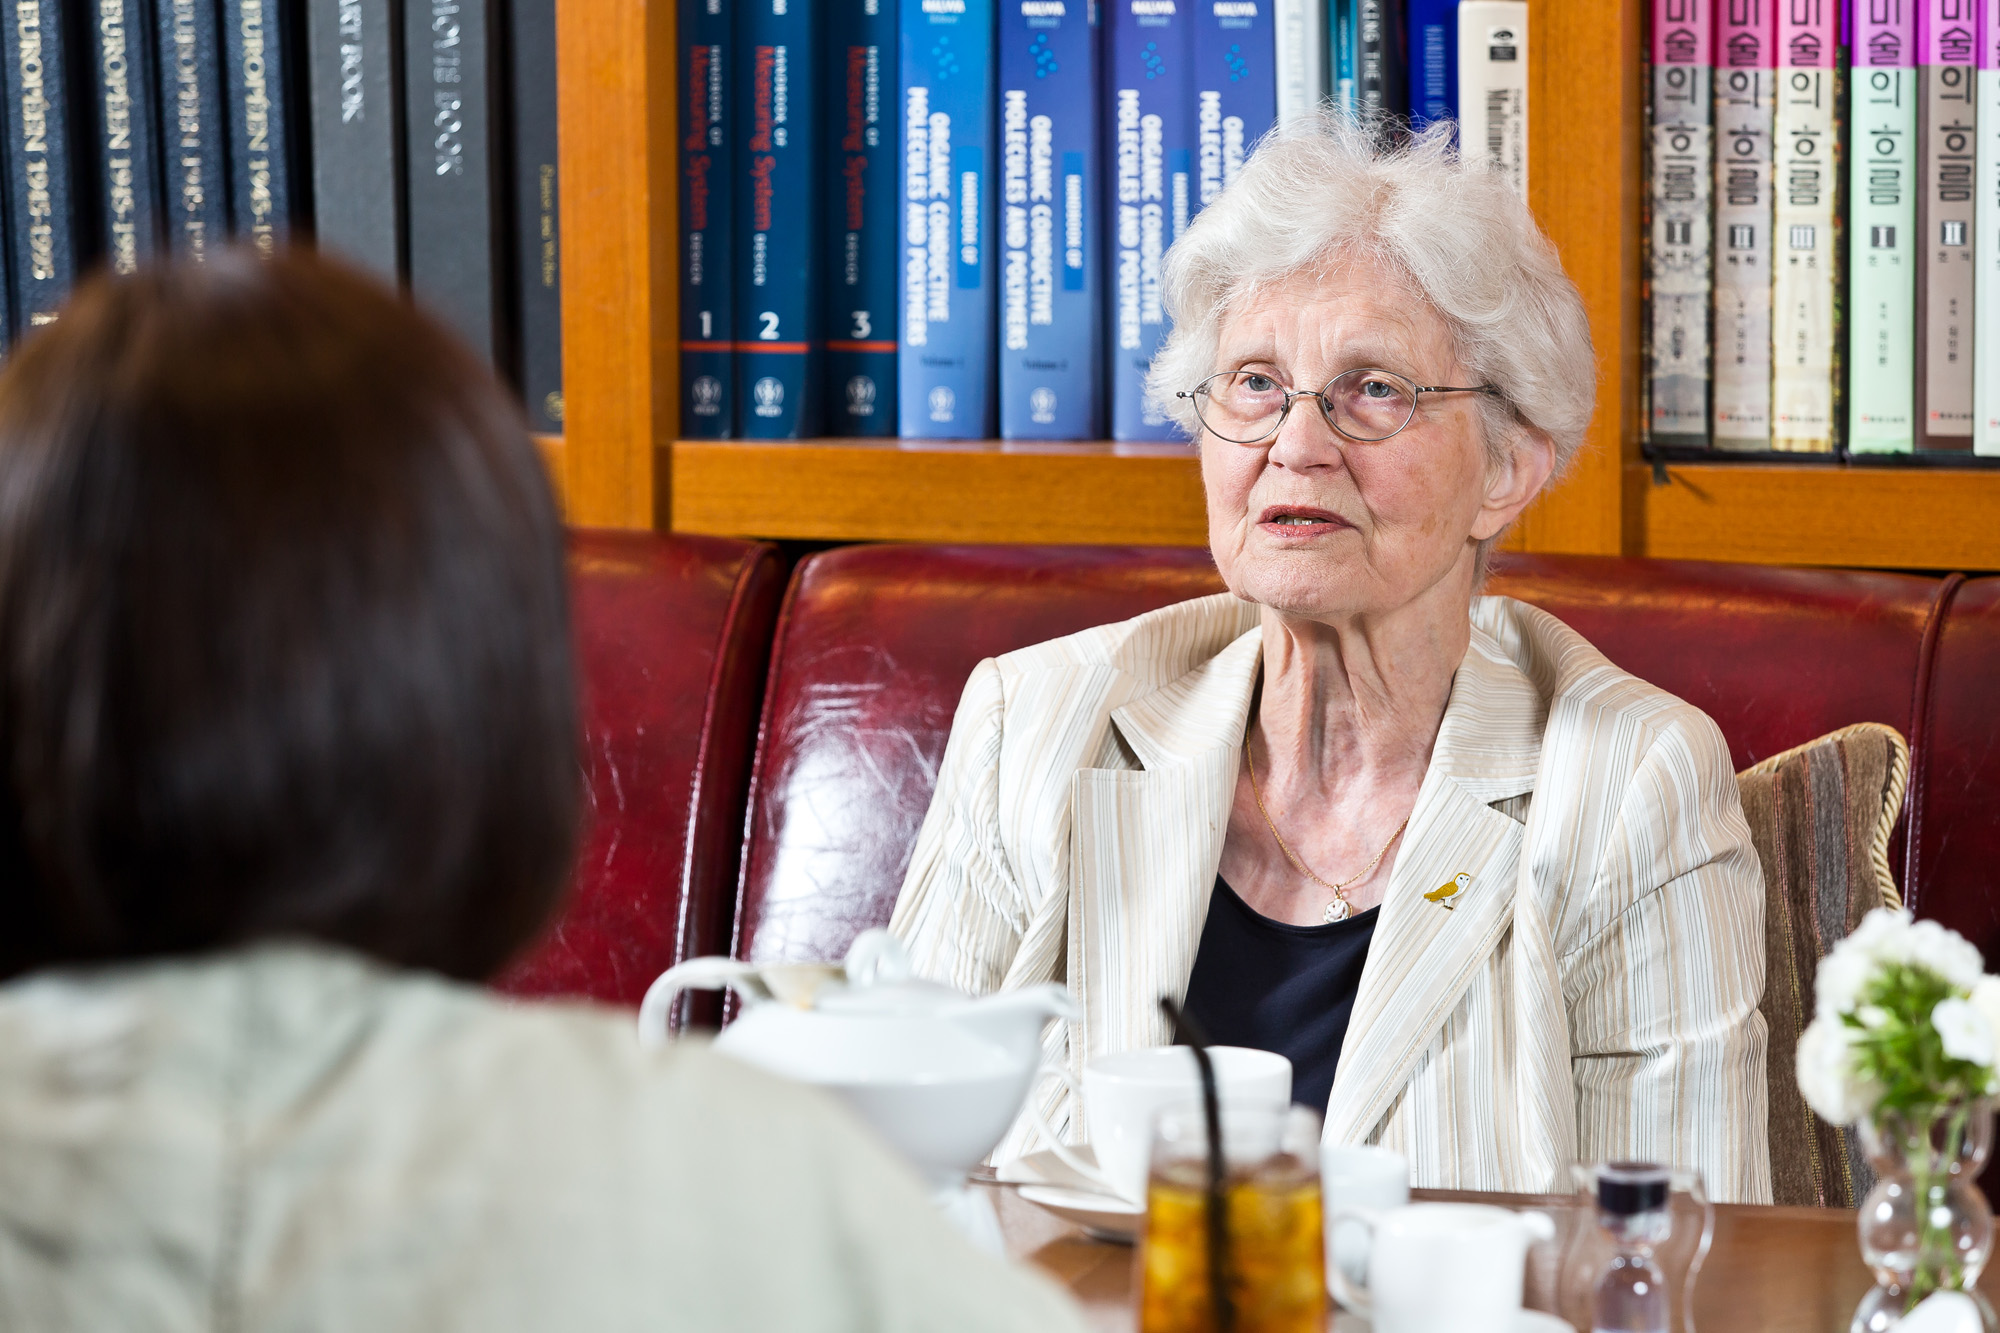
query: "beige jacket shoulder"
1593, 995
292, 1140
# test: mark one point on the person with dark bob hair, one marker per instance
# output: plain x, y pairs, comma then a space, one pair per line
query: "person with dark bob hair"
291, 741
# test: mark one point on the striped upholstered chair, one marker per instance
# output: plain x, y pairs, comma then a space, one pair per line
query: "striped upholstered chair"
1821, 816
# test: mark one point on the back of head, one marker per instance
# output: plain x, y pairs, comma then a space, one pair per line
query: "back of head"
284, 646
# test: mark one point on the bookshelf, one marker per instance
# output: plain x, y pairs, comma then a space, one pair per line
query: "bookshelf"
621, 467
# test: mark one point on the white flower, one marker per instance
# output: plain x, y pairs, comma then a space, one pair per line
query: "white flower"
1985, 998
1964, 1031
1826, 1073
1872, 1015
1945, 952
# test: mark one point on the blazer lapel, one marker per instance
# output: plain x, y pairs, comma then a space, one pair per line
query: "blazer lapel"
1430, 943
1145, 844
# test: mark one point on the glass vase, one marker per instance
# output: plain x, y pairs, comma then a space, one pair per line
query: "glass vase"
1925, 1227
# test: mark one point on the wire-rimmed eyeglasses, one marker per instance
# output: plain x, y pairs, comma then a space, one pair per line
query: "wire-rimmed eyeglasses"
1365, 405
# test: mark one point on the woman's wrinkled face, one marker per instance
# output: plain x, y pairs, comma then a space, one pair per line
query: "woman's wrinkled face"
1314, 524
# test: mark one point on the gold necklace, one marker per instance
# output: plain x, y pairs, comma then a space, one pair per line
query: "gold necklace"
1338, 909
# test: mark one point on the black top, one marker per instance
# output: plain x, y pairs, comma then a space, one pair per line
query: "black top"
1279, 987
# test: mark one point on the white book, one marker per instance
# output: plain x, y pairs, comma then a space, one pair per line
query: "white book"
1301, 51
1986, 243
1746, 88
1680, 180
1493, 86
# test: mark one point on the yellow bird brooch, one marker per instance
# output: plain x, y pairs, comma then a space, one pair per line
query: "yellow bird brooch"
1451, 890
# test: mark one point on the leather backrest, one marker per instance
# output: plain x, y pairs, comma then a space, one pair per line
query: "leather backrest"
672, 638
1955, 777
875, 645
873, 650
1777, 657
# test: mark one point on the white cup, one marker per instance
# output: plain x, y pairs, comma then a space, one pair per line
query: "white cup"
1124, 1091
1457, 1266
1358, 1175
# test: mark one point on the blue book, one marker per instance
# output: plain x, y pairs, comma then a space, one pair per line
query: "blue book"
194, 122
1340, 29
255, 36
1150, 120
777, 268
708, 369
41, 193
1049, 267
1236, 87
1433, 61
859, 207
125, 132
944, 354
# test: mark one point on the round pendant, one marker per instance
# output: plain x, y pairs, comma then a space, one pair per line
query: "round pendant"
1336, 910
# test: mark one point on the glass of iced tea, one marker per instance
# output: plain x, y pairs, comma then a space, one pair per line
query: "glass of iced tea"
1270, 1248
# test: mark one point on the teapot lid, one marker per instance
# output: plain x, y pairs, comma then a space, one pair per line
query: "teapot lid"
880, 983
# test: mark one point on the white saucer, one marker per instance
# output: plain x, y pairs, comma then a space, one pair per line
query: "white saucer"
1061, 1191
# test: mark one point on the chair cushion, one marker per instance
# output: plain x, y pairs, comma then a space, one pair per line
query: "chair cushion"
672, 635
1821, 816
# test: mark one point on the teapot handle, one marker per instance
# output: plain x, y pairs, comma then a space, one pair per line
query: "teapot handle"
1353, 1295
694, 974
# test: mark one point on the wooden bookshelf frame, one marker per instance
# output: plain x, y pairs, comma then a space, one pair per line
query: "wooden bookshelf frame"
620, 465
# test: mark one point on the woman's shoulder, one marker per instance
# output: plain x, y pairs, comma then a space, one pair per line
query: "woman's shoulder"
1155, 647
1583, 692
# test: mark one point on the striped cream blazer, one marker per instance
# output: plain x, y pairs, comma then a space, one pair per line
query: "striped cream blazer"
1593, 995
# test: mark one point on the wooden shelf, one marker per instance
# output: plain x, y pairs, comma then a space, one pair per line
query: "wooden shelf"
938, 491
1150, 495
619, 465
1772, 513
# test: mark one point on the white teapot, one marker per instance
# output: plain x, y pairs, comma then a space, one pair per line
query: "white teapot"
937, 1073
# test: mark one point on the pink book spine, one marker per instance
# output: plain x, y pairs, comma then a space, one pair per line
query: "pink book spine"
1683, 33
1746, 33
1947, 32
1809, 32
1885, 33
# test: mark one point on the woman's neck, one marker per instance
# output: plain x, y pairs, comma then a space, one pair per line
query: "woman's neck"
1360, 699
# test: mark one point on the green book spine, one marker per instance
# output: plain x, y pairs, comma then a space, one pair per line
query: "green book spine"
1881, 260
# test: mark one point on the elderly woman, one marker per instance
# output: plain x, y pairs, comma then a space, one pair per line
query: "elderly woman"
1494, 897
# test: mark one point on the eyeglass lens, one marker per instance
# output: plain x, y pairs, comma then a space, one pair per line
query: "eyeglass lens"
1244, 407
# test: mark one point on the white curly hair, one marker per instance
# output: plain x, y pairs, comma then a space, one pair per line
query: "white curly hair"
1321, 190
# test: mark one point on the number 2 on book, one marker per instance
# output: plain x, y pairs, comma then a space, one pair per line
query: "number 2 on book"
770, 318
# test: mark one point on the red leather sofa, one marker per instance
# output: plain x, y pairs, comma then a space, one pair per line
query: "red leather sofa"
828, 777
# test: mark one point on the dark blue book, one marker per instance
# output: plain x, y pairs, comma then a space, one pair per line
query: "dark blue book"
41, 188
263, 176
858, 256
1149, 122
1340, 36
537, 220
1050, 321
359, 200
777, 267
1381, 60
124, 133
945, 353
1433, 59
1236, 87
708, 367
453, 80
194, 123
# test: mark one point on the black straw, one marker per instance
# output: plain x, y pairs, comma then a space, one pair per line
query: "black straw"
1188, 1033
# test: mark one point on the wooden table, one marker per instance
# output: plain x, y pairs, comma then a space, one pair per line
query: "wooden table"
1771, 1270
